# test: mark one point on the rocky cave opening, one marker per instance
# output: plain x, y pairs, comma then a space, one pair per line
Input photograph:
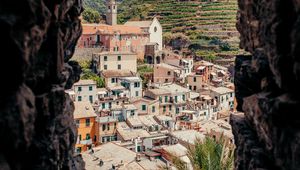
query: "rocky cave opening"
38, 39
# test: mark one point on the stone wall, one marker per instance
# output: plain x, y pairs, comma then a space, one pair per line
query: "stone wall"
37, 39
267, 84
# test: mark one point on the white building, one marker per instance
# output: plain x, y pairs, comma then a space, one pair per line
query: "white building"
153, 27
224, 97
133, 85
172, 97
84, 90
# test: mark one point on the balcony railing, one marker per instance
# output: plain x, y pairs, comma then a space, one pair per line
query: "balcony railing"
86, 142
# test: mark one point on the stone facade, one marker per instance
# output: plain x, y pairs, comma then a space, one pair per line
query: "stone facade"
37, 130
267, 86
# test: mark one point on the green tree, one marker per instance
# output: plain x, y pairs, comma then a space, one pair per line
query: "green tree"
210, 57
225, 46
91, 16
87, 74
176, 40
209, 154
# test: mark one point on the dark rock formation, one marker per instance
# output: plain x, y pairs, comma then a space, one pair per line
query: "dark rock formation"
38, 37
267, 83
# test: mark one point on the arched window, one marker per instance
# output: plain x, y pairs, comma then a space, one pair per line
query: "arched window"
155, 29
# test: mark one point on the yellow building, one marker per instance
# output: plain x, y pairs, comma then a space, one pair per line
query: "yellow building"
85, 119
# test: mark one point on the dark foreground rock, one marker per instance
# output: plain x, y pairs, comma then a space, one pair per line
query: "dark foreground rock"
38, 38
267, 83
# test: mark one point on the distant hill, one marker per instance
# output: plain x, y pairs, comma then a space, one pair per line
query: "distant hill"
98, 5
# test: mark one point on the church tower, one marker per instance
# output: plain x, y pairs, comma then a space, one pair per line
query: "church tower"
111, 14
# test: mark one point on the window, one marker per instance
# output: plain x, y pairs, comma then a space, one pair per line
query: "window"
166, 98
170, 108
114, 7
169, 73
204, 113
132, 113
78, 150
90, 88
183, 97
108, 7
195, 87
95, 138
87, 122
143, 107
175, 99
108, 127
79, 136
164, 108
103, 127
113, 80
91, 99
77, 123
160, 99
116, 48
190, 87
119, 58
136, 93
155, 29
166, 80
79, 88
137, 84
195, 79
98, 39
109, 105
103, 105
153, 109
79, 98
183, 108
105, 58
88, 136
177, 110
230, 94
105, 67
119, 66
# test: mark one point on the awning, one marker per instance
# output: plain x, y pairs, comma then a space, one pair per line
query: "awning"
117, 88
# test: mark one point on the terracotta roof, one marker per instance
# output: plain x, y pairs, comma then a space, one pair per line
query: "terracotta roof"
117, 73
159, 91
111, 29
222, 90
85, 82
139, 23
83, 110
144, 99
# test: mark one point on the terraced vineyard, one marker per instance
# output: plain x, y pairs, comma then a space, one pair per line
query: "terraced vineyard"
210, 26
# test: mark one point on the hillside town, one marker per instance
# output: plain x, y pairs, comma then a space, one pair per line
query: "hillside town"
139, 121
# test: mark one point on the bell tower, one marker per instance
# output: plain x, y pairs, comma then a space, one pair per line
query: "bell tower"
111, 14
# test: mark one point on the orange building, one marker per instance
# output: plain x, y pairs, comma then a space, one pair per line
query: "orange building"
112, 38
204, 68
87, 127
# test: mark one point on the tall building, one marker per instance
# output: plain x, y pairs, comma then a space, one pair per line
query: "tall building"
111, 14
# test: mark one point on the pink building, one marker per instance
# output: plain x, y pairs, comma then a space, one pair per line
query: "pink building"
114, 38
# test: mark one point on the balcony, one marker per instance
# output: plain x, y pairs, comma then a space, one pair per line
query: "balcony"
86, 142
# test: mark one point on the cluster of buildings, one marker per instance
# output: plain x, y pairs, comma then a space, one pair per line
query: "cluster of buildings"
126, 125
